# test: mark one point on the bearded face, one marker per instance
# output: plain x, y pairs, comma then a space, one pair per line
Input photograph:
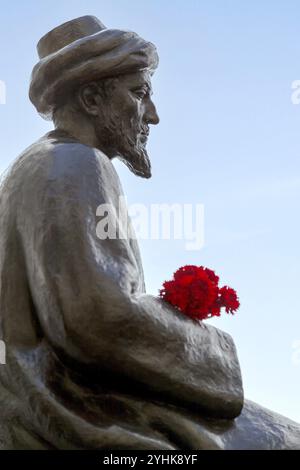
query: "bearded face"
123, 124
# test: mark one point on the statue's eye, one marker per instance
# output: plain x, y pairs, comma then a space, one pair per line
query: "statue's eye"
140, 93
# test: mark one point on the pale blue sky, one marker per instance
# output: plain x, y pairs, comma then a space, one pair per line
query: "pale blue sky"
229, 138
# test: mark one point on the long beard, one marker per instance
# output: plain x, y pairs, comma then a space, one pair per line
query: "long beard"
122, 138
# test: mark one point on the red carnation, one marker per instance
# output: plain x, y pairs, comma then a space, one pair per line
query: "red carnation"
229, 299
212, 276
194, 291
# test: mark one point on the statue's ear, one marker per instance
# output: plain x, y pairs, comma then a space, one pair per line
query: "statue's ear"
90, 98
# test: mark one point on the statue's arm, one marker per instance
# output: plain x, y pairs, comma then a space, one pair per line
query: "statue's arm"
82, 291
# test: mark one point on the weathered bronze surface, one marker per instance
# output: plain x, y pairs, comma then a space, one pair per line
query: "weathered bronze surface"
94, 362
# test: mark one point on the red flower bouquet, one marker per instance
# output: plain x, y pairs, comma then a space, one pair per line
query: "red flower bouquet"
194, 290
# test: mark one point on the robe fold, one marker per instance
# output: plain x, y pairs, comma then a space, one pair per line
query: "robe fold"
93, 362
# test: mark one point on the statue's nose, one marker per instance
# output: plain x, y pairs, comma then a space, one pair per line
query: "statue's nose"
151, 116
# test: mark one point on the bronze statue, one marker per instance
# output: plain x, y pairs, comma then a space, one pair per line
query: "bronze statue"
93, 362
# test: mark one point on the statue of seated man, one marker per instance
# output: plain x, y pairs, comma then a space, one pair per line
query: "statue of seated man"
93, 362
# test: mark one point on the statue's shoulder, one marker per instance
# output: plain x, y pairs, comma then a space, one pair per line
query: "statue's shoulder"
59, 146
57, 154
58, 162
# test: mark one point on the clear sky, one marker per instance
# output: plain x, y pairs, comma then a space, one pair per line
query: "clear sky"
229, 138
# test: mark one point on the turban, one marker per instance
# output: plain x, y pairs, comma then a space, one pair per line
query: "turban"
80, 51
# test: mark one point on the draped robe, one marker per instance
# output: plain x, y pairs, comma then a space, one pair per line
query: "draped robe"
93, 362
